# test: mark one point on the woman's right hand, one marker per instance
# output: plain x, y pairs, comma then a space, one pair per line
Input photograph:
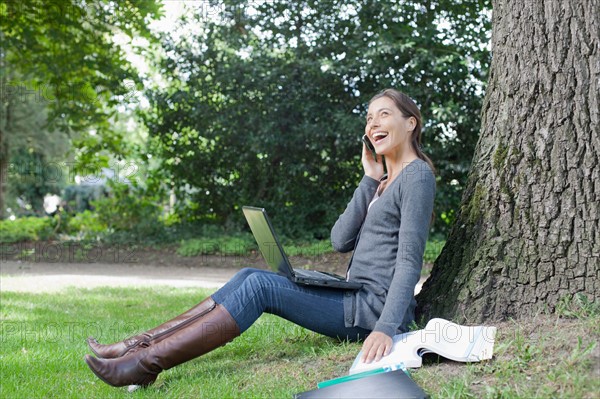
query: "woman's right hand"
373, 168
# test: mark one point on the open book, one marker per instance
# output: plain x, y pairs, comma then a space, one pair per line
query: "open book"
450, 340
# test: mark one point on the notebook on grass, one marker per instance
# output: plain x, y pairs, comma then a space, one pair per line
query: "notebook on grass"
450, 340
274, 255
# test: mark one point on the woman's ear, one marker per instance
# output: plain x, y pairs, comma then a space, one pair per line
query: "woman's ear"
412, 123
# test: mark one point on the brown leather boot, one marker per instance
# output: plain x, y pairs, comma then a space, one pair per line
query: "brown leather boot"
210, 331
150, 337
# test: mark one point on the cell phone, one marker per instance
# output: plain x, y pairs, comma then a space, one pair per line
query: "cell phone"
370, 146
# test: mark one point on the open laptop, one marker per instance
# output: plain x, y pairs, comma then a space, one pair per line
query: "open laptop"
272, 251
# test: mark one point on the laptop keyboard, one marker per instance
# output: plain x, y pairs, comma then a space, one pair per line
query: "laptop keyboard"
314, 274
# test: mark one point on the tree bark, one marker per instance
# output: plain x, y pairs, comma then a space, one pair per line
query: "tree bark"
527, 233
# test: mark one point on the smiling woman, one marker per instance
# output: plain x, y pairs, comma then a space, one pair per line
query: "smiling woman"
391, 109
387, 231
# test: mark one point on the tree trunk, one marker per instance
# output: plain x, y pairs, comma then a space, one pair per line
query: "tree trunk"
527, 233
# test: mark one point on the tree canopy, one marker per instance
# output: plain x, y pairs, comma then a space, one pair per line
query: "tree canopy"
60, 60
265, 101
258, 103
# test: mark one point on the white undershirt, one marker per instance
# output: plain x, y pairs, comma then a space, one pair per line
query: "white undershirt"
376, 197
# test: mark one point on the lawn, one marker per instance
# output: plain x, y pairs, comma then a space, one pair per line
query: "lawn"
43, 343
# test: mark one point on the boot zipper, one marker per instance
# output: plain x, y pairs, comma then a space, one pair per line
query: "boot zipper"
185, 322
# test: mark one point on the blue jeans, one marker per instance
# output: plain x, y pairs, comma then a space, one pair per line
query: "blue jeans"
252, 291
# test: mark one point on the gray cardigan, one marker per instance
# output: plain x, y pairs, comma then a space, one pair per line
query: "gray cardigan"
388, 244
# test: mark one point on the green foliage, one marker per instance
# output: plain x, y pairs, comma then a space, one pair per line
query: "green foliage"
30, 172
433, 248
215, 241
79, 198
66, 50
26, 229
267, 111
243, 245
63, 71
128, 209
308, 248
29, 179
240, 245
86, 224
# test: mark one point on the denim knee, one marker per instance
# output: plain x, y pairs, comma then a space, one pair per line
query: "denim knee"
266, 289
255, 283
247, 271
234, 283
238, 281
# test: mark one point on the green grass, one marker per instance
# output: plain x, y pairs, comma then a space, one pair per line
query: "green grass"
43, 344
42, 340
548, 356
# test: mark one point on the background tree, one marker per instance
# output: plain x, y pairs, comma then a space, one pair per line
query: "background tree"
63, 54
268, 99
528, 229
32, 172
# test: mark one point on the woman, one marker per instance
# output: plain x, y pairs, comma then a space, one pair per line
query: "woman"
386, 224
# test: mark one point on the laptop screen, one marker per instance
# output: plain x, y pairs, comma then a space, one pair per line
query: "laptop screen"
267, 241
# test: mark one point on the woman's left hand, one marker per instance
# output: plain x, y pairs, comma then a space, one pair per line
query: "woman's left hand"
376, 346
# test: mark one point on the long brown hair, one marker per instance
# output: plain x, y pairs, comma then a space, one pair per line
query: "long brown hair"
408, 108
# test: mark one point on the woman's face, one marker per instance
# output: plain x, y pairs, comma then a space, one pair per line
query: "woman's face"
387, 128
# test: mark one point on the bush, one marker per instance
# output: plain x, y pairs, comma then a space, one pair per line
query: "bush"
307, 248
86, 223
240, 245
128, 209
26, 229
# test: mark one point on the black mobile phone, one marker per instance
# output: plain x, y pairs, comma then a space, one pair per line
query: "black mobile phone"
370, 146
